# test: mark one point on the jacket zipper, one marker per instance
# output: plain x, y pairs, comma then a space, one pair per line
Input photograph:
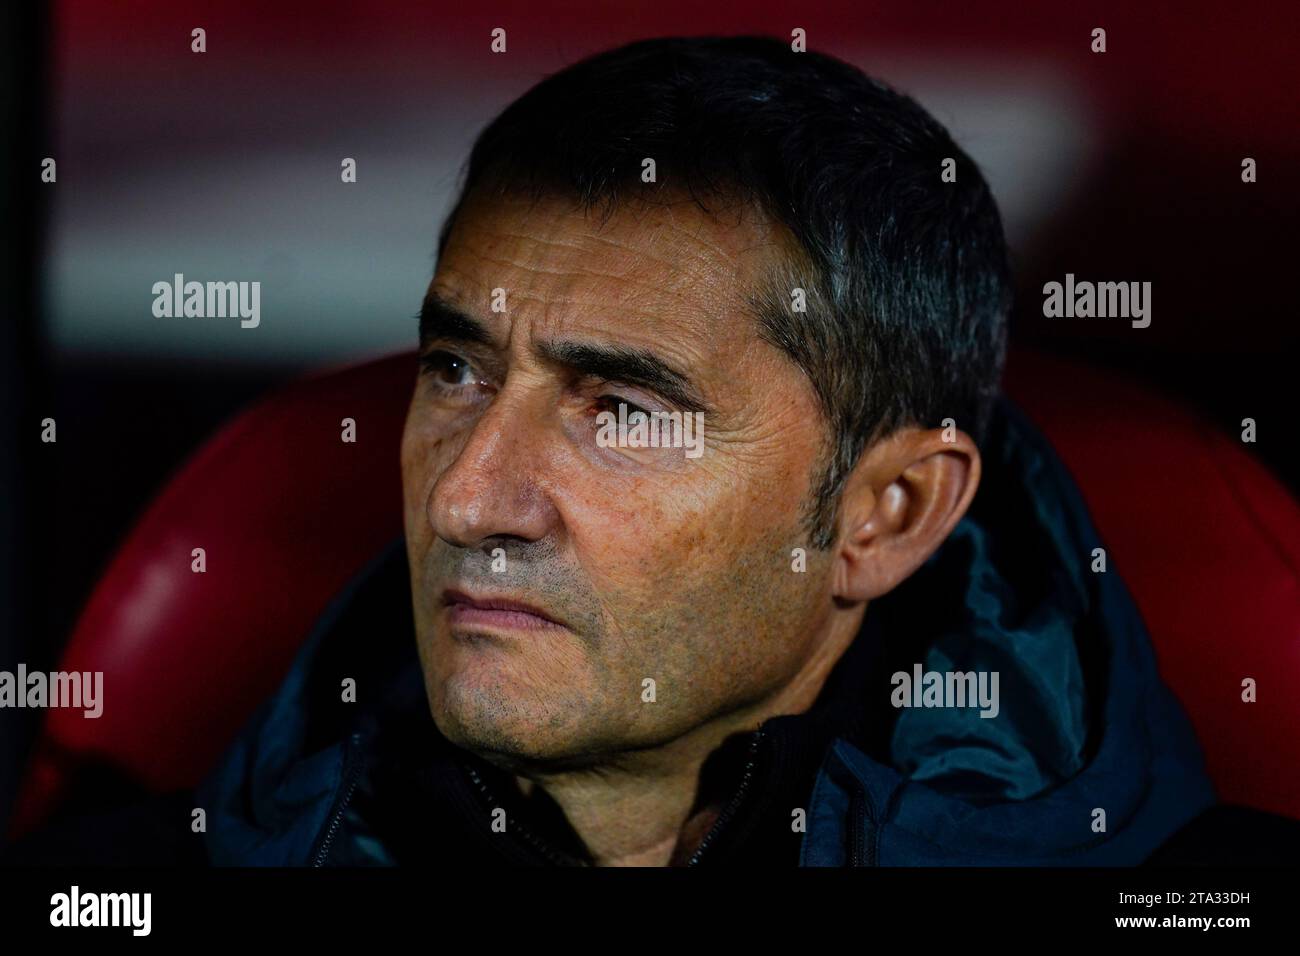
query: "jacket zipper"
555, 856
352, 777
862, 838
732, 807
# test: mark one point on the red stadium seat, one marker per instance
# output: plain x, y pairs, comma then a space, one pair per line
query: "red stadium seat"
286, 512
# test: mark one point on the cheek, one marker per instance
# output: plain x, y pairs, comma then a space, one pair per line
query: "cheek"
646, 546
418, 468
630, 542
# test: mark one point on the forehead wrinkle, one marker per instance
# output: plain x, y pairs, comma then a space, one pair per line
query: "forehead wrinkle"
655, 284
695, 227
698, 237
596, 229
576, 246
568, 325
571, 231
645, 251
700, 270
559, 239
698, 229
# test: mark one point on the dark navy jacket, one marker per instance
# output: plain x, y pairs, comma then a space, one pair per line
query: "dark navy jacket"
1090, 760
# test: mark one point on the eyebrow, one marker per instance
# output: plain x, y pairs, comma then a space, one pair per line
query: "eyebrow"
439, 319
629, 365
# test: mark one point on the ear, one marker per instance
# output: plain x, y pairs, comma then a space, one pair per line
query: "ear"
901, 501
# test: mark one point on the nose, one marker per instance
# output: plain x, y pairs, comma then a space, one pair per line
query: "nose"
493, 487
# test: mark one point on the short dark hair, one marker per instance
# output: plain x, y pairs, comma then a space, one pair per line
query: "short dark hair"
906, 276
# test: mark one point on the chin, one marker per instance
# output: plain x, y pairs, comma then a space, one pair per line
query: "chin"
490, 712
516, 700
519, 732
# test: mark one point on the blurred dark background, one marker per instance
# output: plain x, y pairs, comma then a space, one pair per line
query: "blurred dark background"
1122, 166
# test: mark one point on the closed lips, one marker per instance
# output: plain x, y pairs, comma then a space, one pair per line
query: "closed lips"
505, 610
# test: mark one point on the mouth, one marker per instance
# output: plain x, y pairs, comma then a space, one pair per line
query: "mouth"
499, 612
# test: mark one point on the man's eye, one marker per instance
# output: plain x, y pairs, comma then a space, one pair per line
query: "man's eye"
447, 370
610, 403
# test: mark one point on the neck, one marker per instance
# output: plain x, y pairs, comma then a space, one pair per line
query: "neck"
655, 807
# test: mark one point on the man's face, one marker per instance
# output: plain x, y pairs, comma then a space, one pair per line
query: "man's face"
657, 566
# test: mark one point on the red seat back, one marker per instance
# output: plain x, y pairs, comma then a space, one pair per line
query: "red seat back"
1208, 541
